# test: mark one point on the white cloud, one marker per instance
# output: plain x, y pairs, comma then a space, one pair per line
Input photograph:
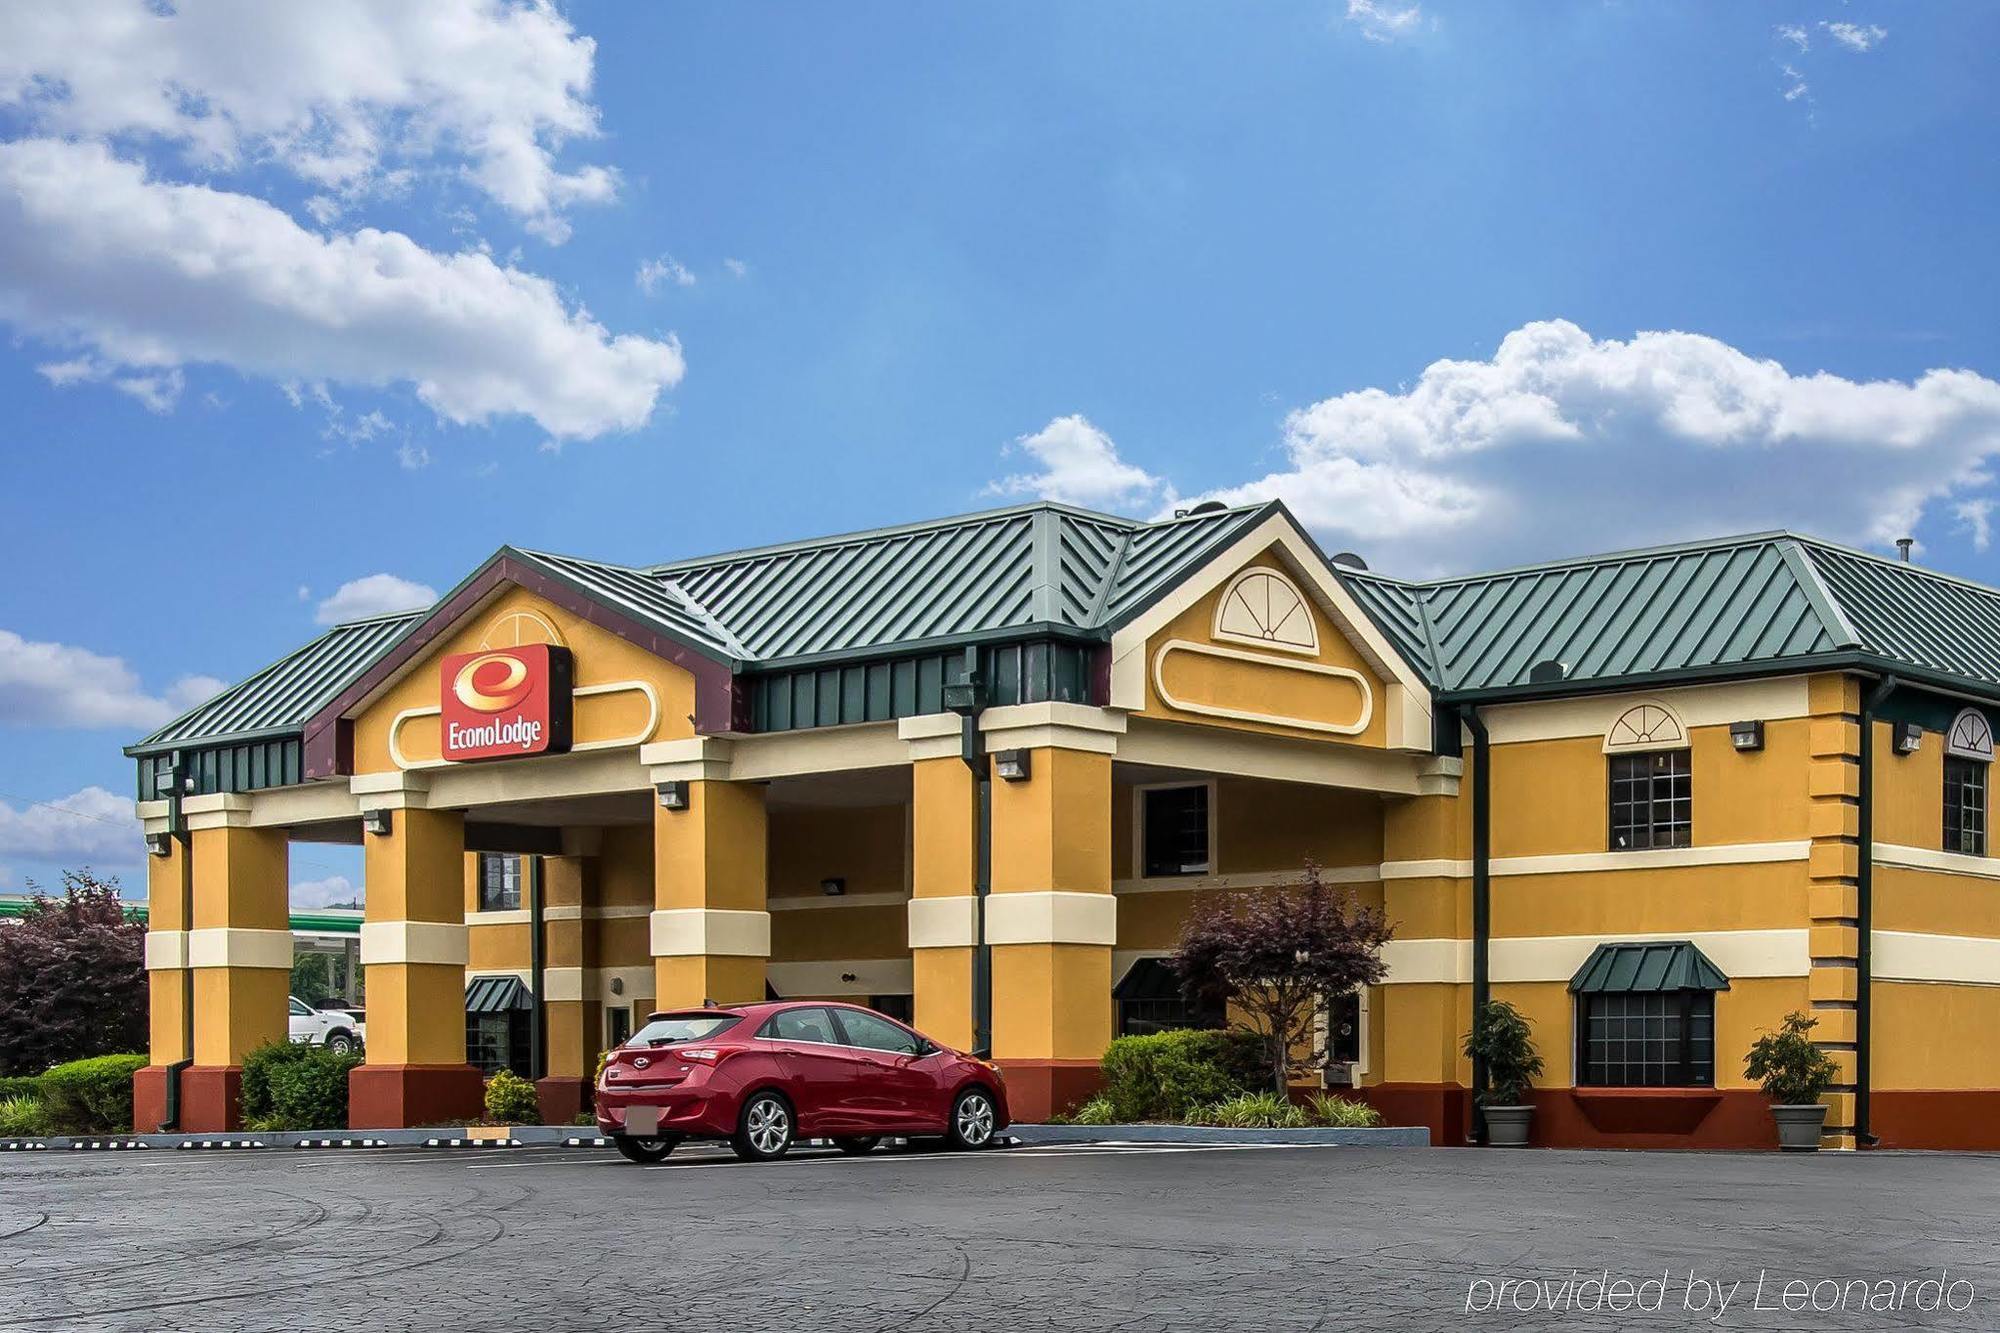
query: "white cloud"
666, 268
1384, 21
351, 98
1795, 84
1795, 34
737, 268
91, 826
1855, 36
1080, 466
331, 891
1564, 444
411, 457
58, 685
151, 276
375, 595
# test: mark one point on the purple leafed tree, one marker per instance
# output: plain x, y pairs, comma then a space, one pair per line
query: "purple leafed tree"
1277, 956
72, 978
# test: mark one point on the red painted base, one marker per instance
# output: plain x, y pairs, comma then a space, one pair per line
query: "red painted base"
149, 1099
1443, 1108
405, 1096
211, 1099
562, 1099
1037, 1089
1956, 1119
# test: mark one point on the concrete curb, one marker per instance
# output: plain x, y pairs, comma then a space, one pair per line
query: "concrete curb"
515, 1136
1415, 1136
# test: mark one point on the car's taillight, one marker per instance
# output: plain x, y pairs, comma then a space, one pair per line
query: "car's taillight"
707, 1055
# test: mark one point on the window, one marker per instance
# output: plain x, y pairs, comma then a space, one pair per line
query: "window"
1653, 1039
1175, 824
618, 1026
875, 1034
499, 883
800, 1025
1964, 806
1149, 999
299, 1010
683, 1027
1652, 800
1343, 1029
902, 1008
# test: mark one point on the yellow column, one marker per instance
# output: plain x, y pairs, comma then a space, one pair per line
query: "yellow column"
166, 983
1051, 922
711, 928
941, 869
1423, 1076
1833, 895
413, 943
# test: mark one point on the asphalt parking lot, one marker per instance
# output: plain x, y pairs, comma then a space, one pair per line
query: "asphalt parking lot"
1081, 1237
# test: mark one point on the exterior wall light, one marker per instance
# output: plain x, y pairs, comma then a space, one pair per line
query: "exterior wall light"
834, 887
160, 844
1909, 738
673, 795
1012, 765
617, 985
1746, 735
376, 822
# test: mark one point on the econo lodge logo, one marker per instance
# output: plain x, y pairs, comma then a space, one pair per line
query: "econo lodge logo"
505, 702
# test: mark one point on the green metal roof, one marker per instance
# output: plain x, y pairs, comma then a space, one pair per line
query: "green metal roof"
1656, 965
496, 995
322, 922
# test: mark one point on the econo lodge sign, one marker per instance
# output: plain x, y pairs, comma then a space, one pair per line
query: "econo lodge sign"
505, 702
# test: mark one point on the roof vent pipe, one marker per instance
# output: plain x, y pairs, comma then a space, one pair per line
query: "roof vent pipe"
1903, 545
1548, 672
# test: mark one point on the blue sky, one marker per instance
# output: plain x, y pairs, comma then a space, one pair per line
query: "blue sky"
298, 299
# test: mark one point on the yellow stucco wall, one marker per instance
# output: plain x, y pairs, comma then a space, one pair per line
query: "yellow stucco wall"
1930, 1035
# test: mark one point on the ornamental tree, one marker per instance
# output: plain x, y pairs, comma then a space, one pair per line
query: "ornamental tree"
1278, 957
72, 977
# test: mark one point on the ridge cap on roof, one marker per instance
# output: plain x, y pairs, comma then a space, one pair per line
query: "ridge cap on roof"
1602, 557
835, 540
375, 619
1812, 544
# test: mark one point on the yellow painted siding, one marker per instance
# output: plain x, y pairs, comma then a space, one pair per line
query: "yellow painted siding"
1930, 1035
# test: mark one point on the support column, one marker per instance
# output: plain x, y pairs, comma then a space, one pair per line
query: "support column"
1051, 919
166, 982
711, 926
569, 1025
1833, 895
413, 943
941, 909
239, 946
1424, 1006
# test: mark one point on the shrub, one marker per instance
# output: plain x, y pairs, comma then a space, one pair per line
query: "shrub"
1251, 1110
1502, 1038
1163, 1075
511, 1100
22, 1118
91, 1096
1793, 1071
1096, 1111
20, 1085
310, 1093
258, 1067
1341, 1112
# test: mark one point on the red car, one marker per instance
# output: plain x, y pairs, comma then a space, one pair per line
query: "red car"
765, 1075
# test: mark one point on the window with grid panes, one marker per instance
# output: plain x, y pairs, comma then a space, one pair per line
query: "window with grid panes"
1652, 800
499, 883
1652, 1039
1176, 831
1964, 806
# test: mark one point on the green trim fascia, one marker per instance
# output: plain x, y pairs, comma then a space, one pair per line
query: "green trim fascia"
1039, 631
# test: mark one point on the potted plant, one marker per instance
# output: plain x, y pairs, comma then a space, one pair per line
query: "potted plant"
1795, 1074
1501, 1040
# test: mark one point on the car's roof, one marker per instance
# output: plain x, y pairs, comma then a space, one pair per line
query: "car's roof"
756, 1010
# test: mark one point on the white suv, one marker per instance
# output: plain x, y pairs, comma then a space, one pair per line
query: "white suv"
331, 1028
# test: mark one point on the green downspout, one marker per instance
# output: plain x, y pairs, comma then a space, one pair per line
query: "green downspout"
538, 1055
1864, 898
966, 696
178, 830
1482, 898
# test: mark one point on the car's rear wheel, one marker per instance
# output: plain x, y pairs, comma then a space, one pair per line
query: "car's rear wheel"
646, 1150
764, 1130
858, 1147
973, 1118
340, 1043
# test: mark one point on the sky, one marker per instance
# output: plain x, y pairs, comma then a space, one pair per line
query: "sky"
307, 309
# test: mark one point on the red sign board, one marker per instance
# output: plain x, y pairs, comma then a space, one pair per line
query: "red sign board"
505, 702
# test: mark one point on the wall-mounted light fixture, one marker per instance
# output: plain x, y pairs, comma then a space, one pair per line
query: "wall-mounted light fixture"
376, 822
673, 795
847, 976
834, 887
1012, 765
160, 844
617, 985
1909, 738
1746, 735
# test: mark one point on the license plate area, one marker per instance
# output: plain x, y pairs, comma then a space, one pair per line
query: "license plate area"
643, 1121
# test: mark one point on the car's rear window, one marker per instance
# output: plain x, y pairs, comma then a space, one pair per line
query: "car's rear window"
683, 1027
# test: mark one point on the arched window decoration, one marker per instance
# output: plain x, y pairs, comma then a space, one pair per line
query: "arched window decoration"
1646, 727
1263, 607
1970, 737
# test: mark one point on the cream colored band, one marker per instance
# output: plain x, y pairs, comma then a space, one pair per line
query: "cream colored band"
1739, 953
441, 942
223, 946
941, 923
1051, 918
166, 950
843, 976
1666, 858
684, 932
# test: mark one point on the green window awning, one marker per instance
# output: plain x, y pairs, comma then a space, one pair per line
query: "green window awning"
497, 995
1652, 966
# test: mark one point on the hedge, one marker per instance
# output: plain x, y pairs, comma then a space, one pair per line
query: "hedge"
20, 1085
91, 1096
1166, 1074
511, 1100
258, 1067
311, 1093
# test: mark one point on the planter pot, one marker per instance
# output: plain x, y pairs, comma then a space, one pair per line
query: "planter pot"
1507, 1126
1799, 1126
